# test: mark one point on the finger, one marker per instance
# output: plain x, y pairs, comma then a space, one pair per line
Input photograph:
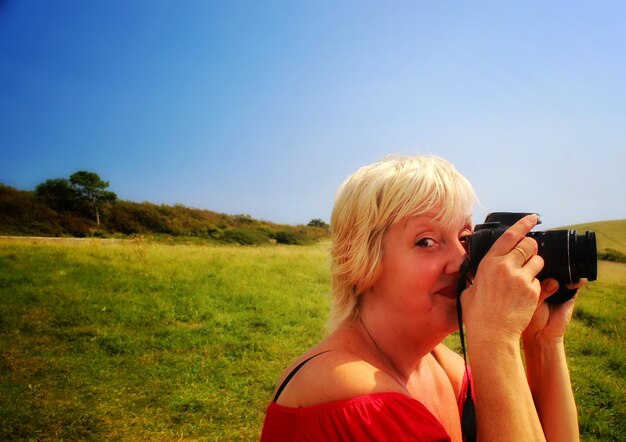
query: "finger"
549, 286
513, 235
577, 285
533, 266
571, 301
521, 251
524, 250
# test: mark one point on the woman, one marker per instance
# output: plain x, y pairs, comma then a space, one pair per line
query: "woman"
399, 229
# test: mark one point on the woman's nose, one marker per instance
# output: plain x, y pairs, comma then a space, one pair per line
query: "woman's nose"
457, 256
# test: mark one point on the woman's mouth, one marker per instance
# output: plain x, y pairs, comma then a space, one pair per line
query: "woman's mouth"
448, 292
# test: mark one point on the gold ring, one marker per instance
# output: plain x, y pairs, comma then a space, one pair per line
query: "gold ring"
522, 252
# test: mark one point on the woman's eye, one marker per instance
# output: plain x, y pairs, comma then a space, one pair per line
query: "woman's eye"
464, 240
425, 242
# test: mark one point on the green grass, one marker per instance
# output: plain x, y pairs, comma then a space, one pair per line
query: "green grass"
597, 355
150, 342
105, 340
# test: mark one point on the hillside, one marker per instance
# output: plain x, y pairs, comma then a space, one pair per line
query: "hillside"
609, 234
24, 213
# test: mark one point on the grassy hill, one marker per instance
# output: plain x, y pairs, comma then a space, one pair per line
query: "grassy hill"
133, 340
24, 213
137, 340
609, 234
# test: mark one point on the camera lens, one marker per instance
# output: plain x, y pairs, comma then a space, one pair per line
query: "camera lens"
583, 255
567, 255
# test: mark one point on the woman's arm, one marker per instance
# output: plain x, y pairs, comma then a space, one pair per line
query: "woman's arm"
504, 404
497, 308
549, 382
546, 368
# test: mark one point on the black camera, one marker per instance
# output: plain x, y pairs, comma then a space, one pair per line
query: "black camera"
568, 255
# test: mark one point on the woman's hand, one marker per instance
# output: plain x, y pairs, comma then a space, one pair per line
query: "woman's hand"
497, 308
505, 291
551, 320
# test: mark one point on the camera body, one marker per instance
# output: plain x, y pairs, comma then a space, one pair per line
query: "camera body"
568, 256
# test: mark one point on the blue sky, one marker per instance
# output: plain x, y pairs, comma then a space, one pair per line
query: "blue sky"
264, 107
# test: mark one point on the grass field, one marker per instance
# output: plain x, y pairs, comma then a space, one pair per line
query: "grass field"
104, 340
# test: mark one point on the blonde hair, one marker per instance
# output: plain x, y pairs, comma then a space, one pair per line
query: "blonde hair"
373, 199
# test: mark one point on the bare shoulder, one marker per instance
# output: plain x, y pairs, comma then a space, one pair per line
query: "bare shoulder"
452, 364
333, 376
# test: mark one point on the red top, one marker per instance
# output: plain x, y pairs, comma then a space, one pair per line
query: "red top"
373, 417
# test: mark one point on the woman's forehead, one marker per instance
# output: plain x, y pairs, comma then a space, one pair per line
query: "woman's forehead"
437, 218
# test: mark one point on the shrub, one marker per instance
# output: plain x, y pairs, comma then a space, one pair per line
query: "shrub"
612, 255
52, 211
317, 223
122, 220
292, 237
43, 229
75, 225
246, 237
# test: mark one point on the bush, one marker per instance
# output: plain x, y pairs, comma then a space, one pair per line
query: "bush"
292, 237
244, 237
121, 219
43, 229
128, 217
612, 255
52, 212
76, 225
317, 223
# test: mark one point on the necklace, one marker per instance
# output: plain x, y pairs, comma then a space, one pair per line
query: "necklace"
429, 398
396, 373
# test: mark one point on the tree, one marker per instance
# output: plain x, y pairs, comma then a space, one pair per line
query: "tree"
90, 187
317, 223
58, 194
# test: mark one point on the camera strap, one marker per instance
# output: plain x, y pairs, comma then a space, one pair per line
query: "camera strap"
468, 414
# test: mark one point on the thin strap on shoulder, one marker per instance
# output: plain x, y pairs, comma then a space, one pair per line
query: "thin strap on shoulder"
293, 373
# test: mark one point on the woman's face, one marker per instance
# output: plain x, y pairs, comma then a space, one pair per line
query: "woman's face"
420, 271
